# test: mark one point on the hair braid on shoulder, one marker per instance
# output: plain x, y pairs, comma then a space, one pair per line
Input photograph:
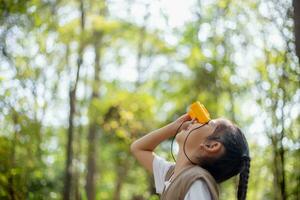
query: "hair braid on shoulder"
243, 182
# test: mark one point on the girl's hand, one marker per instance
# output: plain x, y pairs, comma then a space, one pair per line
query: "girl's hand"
183, 118
182, 121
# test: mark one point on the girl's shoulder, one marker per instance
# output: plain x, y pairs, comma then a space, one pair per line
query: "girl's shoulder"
160, 169
198, 190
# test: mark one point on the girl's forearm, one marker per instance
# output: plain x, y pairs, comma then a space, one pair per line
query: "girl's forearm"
150, 141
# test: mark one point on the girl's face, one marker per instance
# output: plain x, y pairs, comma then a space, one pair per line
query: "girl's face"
196, 137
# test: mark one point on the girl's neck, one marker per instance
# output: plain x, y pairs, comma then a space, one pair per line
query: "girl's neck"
181, 163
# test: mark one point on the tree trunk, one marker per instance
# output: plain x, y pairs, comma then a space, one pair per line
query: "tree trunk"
76, 181
275, 169
279, 163
92, 131
122, 170
77, 194
296, 5
281, 149
282, 172
92, 139
68, 170
91, 165
11, 183
72, 97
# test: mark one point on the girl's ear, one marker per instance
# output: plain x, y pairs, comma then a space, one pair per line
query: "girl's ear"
211, 147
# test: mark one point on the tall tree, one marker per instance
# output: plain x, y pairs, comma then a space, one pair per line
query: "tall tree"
92, 132
98, 35
296, 5
72, 111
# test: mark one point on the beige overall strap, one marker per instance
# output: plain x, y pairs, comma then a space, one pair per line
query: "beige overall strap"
167, 177
169, 173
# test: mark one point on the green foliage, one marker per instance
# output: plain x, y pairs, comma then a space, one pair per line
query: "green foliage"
41, 43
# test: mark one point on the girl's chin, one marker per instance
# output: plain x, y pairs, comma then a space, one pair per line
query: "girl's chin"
179, 136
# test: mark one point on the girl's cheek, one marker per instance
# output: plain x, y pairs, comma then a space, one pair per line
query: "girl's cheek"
181, 135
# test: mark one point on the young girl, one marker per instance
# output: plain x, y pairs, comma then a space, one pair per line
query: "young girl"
208, 154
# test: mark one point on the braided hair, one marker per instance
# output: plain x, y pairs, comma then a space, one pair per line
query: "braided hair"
235, 159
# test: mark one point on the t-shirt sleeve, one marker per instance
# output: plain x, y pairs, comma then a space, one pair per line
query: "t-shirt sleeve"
198, 190
160, 168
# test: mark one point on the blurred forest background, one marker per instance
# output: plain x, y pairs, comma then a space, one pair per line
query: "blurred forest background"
81, 79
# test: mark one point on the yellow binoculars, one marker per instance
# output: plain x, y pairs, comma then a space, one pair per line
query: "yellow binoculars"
199, 112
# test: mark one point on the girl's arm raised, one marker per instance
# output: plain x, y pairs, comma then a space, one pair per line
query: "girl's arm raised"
143, 148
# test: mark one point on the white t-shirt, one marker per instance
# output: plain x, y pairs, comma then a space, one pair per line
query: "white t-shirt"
198, 190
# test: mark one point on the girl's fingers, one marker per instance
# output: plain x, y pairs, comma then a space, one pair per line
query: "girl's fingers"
182, 121
185, 117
